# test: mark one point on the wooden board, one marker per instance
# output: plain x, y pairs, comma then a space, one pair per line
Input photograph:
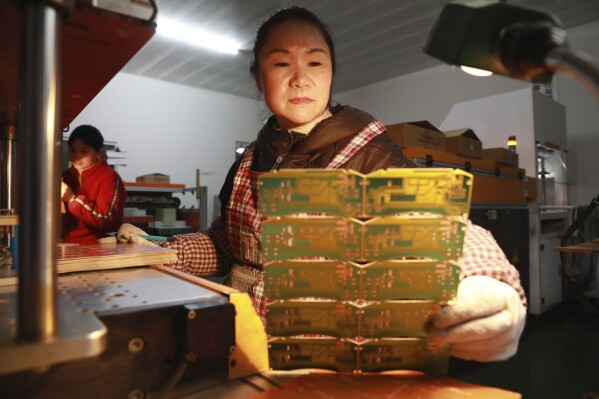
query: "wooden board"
138, 219
385, 385
589, 247
74, 258
9, 220
131, 186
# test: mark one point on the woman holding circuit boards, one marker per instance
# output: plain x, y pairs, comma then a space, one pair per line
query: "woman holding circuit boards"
293, 65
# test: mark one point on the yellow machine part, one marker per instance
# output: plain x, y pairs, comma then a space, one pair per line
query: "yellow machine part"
251, 348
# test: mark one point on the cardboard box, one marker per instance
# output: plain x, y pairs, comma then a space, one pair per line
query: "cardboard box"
530, 187
501, 155
153, 178
463, 142
417, 134
165, 214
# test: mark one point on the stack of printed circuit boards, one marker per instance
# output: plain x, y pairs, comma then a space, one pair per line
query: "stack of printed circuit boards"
357, 264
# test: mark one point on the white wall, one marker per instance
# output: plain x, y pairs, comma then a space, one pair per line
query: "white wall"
173, 129
429, 95
424, 95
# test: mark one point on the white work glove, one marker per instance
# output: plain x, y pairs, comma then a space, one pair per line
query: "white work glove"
128, 233
484, 323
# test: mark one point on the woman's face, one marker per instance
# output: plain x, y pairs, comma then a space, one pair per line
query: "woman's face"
295, 74
83, 156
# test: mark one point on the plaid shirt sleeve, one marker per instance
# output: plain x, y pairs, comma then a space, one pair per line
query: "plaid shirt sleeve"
203, 254
482, 256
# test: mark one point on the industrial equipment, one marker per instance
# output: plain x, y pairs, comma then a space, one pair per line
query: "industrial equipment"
130, 332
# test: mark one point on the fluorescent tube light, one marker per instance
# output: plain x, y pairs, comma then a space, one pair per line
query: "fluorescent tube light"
197, 37
476, 71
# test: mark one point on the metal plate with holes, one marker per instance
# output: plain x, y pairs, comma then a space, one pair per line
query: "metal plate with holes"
163, 335
121, 291
79, 335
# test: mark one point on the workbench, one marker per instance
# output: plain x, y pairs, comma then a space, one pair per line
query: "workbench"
317, 384
589, 247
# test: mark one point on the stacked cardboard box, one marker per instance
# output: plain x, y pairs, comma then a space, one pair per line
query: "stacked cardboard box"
501, 156
153, 178
464, 142
421, 134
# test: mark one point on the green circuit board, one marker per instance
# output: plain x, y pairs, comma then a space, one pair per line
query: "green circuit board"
410, 279
291, 191
295, 317
345, 355
403, 353
440, 191
362, 241
351, 194
349, 319
396, 318
349, 281
291, 278
330, 237
289, 353
431, 236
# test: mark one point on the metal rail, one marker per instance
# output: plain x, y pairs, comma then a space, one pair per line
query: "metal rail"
39, 166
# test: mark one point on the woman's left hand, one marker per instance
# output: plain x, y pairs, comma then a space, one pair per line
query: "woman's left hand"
484, 323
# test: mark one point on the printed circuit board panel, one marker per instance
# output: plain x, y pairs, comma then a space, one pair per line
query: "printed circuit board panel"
351, 194
358, 264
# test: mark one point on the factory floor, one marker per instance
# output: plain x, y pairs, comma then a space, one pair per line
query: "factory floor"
558, 357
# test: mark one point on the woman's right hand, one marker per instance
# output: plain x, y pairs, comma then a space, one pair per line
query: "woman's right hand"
128, 233
66, 194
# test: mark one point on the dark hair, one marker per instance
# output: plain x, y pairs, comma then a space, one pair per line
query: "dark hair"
89, 135
293, 13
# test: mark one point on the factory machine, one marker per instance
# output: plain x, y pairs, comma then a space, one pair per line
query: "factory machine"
137, 332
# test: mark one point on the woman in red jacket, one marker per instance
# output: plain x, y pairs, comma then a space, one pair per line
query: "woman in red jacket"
93, 193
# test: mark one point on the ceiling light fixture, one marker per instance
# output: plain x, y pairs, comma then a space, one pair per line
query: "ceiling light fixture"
475, 71
196, 37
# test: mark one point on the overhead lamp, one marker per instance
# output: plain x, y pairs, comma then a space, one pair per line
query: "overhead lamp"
196, 36
476, 71
518, 41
